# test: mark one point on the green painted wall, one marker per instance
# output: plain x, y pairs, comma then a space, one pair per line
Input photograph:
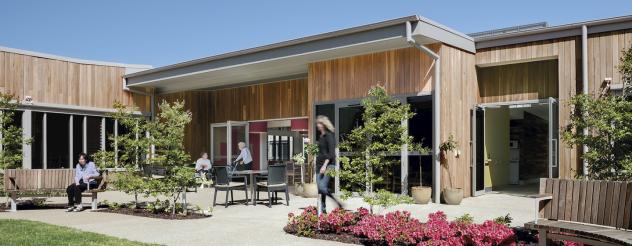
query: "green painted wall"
497, 146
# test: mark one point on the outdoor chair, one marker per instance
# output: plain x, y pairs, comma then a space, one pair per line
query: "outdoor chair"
224, 182
276, 182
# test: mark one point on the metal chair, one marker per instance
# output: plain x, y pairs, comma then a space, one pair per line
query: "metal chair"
224, 183
277, 181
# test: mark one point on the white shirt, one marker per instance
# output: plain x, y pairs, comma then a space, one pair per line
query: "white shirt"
244, 156
199, 164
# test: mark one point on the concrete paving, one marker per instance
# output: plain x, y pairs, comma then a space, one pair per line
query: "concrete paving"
249, 225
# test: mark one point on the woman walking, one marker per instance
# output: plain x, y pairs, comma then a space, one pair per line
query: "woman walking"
325, 160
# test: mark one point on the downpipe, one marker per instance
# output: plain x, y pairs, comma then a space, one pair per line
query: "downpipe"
436, 112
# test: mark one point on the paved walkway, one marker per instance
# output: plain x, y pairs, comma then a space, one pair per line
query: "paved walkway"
248, 225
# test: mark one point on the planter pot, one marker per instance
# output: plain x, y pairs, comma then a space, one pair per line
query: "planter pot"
310, 190
453, 196
298, 189
421, 194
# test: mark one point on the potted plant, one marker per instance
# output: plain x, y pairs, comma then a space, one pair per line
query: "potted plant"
451, 195
421, 194
299, 159
310, 189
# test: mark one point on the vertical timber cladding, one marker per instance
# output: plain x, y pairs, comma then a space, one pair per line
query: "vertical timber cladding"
518, 82
567, 51
407, 71
604, 54
283, 99
62, 82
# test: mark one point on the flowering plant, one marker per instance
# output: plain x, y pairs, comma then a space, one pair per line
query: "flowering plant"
399, 228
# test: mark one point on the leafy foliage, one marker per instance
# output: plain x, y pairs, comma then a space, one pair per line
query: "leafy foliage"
165, 136
608, 120
12, 138
381, 133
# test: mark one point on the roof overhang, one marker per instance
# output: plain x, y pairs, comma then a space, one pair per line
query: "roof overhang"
553, 32
290, 59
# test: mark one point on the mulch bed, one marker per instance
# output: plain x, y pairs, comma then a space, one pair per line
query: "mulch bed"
145, 213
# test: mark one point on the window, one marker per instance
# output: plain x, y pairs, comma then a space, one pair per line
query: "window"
279, 147
57, 140
93, 132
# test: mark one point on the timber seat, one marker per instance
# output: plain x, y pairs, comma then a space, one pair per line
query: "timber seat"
590, 212
47, 181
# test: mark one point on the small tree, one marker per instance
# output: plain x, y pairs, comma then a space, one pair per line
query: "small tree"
608, 120
166, 133
381, 133
131, 149
11, 138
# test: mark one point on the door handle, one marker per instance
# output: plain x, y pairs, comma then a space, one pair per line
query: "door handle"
488, 162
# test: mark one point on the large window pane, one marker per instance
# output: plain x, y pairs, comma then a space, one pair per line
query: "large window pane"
93, 135
219, 145
57, 139
77, 136
37, 137
109, 134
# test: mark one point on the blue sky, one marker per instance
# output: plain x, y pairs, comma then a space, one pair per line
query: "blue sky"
164, 32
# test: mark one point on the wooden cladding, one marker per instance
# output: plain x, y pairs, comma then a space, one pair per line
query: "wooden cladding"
65, 83
284, 99
459, 93
604, 55
276, 100
518, 82
401, 71
595, 202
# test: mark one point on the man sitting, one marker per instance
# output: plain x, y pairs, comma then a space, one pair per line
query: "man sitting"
86, 174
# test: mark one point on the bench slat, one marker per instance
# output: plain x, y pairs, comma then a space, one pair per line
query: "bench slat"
556, 198
628, 207
568, 206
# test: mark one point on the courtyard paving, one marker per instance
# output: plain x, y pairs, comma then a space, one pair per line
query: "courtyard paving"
250, 225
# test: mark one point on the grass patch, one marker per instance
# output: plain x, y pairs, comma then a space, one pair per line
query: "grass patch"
24, 232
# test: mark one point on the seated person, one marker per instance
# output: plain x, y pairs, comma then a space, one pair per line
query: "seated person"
203, 165
86, 174
244, 160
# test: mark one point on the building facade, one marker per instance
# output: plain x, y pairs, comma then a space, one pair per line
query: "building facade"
502, 95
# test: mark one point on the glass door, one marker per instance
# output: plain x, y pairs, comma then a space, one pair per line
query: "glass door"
478, 150
553, 138
224, 140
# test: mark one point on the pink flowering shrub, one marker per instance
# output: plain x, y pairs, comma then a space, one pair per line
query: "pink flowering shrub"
304, 224
340, 220
399, 228
393, 228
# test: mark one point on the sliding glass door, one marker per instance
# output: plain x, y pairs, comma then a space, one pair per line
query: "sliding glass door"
224, 140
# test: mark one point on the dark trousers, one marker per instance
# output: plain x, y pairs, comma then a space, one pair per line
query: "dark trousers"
322, 181
74, 192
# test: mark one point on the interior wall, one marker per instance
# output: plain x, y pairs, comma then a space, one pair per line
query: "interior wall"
534, 157
497, 146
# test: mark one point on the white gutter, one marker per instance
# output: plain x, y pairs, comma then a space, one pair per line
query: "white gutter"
436, 113
585, 88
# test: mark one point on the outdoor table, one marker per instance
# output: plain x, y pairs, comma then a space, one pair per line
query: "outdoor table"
253, 185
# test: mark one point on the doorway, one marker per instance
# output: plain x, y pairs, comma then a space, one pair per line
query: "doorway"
514, 145
224, 139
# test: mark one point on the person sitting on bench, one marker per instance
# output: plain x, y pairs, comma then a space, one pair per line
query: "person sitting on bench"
85, 174
244, 159
203, 164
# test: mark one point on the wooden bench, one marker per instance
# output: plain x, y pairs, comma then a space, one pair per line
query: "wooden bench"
46, 181
590, 212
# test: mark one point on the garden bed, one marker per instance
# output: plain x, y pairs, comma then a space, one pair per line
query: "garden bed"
399, 228
146, 213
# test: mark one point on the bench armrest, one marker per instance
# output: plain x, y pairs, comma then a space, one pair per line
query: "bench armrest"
538, 199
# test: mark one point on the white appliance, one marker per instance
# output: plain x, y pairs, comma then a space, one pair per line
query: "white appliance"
514, 162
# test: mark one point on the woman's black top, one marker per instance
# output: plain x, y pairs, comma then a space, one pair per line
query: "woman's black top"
326, 149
